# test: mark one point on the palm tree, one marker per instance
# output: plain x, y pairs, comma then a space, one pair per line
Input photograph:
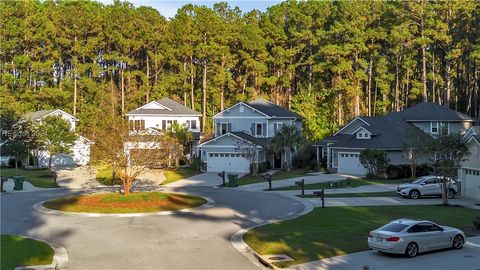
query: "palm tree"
288, 139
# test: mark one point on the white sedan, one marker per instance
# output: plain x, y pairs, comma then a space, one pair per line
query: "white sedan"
410, 237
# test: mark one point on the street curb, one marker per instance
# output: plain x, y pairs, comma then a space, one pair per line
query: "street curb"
39, 207
60, 258
239, 244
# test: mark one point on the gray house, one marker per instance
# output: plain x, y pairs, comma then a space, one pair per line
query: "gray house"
341, 151
242, 135
470, 171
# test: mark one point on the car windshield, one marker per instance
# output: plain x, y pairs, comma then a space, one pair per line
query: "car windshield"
419, 180
394, 227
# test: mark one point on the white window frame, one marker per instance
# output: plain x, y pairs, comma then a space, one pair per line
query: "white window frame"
255, 129
226, 128
278, 125
432, 126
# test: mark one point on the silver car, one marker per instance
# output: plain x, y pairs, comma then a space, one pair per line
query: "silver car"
426, 186
410, 237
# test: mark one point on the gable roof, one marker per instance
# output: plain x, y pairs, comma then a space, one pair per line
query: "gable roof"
173, 108
429, 111
271, 109
38, 115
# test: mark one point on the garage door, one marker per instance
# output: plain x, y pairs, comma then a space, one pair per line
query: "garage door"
472, 183
350, 163
229, 162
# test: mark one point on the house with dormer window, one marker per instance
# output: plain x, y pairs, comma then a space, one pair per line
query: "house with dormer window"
341, 151
246, 124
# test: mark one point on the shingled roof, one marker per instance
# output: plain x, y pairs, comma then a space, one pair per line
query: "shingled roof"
173, 108
429, 111
42, 113
271, 109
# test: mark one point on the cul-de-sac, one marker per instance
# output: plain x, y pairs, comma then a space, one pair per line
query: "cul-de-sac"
210, 135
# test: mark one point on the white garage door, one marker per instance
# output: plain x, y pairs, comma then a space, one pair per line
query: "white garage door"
472, 183
350, 163
229, 162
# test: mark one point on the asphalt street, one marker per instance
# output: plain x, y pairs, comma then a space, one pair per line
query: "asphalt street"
199, 239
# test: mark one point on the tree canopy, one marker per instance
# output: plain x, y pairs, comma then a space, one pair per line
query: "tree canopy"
329, 61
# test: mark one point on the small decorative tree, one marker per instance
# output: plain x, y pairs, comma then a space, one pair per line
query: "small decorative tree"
180, 136
415, 148
448, 151
56, 136
19, 140
288, 139
373, 160
250, 151
127, 153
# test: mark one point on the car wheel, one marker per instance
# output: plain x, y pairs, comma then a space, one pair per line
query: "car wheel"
458, 242
412, 250
451, 193
414, 194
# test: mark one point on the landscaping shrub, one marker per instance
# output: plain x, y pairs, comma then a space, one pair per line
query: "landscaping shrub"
195, 166
476, 222
371, 175
263, 167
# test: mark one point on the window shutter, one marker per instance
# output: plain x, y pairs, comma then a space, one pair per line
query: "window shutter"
164, 124
219, 131
264, 129
229, 127
275, 128
253, 129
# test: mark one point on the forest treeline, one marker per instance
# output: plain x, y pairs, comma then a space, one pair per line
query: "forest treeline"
329, 61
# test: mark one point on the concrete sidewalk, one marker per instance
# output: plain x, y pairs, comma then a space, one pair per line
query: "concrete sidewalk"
466, 259
361, 189
27, 187
309, 179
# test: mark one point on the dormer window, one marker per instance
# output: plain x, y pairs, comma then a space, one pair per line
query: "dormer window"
363, 135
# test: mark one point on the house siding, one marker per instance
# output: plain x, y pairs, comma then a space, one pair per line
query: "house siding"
153, 121
353, 126
453, 127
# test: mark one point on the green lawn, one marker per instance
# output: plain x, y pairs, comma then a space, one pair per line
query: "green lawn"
105, 177
369, 194
37, 177
19, 251
175, 175
280, 175
350, 183
138, 202
332, 231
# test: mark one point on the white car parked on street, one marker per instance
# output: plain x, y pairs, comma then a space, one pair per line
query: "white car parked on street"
410, 237
429, 185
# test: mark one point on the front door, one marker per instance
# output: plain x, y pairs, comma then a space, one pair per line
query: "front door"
277, 160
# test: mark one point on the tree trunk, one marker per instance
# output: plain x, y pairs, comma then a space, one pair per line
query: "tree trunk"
123, 92
396, 101
192, 87
50, 163
424, 65
148, 79
369, 88
112, 93
75, 91
448, 84
204, 98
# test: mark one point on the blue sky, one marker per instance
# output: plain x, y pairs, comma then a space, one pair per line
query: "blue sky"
168, 8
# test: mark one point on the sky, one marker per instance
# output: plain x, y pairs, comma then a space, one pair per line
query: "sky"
168, 8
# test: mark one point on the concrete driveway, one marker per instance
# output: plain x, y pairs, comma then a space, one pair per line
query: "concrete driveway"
199, 239
466, 258
199, 180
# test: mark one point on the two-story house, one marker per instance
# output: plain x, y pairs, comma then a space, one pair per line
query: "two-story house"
80, 154
341, 151
159, 115
245, 123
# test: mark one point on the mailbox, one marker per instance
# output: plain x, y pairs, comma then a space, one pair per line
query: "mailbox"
320, 194
301, 184
222, 175
268, 177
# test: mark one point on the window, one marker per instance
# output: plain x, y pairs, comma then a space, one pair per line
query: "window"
193, 124
241, 109
434, 127
137, 124
223, 128
258, 129
277, 127
394, 227
360, 134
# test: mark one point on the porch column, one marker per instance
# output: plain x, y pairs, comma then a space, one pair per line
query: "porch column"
318, 154
329, 165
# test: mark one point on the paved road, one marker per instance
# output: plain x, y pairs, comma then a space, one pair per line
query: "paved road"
361, 189
199, 180
192, 240
465, 259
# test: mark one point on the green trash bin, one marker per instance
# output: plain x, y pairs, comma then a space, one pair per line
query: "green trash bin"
232, 180
18, 182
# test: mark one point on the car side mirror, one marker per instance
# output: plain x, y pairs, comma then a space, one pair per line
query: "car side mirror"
423, 183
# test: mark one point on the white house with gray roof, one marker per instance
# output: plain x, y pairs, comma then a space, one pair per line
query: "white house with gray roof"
158, 115
242, 125
80, 149
341, 151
